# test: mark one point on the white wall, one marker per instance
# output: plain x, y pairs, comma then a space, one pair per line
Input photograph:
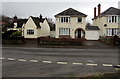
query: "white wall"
45, 29
73, 25
30, 25
92, 35
119, 21
100, 21
52, 33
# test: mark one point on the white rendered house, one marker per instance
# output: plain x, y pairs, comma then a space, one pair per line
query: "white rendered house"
70, 23
36, 27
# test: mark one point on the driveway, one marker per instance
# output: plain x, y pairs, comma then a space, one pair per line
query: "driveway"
97, 44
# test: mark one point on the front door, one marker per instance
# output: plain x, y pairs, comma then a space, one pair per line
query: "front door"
79, 33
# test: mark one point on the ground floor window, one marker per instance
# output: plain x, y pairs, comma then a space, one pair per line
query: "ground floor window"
30, 32
64, 31
111, 31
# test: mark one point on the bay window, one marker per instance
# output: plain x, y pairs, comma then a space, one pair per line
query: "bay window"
111, 31
64, 31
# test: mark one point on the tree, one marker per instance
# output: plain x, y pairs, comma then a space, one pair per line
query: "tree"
16, 34
88, 24
7, 20
51, 24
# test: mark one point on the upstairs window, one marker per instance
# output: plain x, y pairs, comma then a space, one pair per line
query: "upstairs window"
112, 19
30, 32
79, 19
64, 19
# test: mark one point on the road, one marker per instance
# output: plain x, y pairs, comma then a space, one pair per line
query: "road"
57, 62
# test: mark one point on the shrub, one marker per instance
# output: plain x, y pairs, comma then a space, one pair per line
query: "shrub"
16, 34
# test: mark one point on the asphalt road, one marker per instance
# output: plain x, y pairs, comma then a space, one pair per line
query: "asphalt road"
57, 62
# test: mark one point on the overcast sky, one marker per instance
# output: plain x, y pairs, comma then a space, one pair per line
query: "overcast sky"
25, 8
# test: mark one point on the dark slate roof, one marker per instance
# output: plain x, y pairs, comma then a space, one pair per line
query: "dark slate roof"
20, 22
71, 12
92, 28
37, 21
110, 11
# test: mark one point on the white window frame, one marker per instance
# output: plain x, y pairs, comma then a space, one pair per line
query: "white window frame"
112, 19
64, 19
110, 30
79, 18
30, 31
64, 31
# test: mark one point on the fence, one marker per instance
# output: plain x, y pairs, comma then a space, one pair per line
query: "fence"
59, 41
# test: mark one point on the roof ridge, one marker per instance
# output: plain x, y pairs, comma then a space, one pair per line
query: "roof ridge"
71, 12
109, 11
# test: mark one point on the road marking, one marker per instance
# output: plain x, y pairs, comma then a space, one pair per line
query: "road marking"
61, 62
22, 60
107, 65
33, 60
47, 61
2, 58
11, 59
77, 63
89, 64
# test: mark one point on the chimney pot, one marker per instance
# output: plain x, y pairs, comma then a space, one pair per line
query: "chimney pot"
40, 18
99, 9
94, 12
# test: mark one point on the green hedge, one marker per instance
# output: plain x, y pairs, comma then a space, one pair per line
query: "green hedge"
107, 40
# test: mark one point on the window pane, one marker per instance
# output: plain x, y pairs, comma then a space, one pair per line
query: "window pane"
79, 19
115, 19
109, 18
66, 19
30, 32
61, 19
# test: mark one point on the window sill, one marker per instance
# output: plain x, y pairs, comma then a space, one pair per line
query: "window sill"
112, 23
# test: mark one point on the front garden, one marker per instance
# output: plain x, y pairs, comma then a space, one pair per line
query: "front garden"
114, 40
12, 37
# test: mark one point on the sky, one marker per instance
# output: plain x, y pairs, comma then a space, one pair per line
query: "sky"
49, 8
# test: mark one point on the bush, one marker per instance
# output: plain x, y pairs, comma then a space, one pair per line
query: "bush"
16, 34
107, 40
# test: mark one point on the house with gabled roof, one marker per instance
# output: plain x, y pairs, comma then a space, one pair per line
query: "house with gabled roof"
70, 23
17, 24
36, 27
107, 21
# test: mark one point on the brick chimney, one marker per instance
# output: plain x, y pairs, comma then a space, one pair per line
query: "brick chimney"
99, 9
94, 12
15, 18
40, 17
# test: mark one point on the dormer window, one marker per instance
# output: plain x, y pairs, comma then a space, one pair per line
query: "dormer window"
112, 19
79, 19
64, 19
